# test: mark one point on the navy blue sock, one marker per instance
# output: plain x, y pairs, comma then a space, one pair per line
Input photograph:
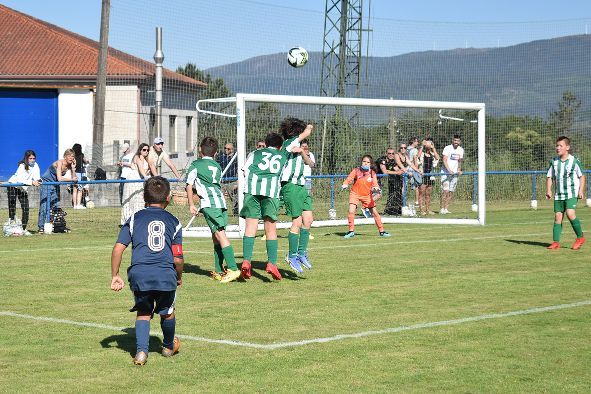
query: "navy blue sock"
142, 335
168, 326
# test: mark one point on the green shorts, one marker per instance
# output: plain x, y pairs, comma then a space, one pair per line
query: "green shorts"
258, 207
296, 199
563, 205
216, 218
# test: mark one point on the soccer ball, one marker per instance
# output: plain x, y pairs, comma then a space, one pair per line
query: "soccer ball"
297, 57
89, 204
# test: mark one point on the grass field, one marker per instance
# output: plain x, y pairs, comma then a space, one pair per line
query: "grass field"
434, 308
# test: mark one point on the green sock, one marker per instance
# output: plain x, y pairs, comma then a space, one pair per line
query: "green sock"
218, 258
293, 240
304, 238
556, 230
228, 253
247, 247
272, 251
577, 227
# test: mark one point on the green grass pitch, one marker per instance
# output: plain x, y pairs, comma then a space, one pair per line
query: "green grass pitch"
422, 274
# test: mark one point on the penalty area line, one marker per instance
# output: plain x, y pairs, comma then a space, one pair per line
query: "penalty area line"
304, 342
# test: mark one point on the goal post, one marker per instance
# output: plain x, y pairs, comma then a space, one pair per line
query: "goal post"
364, 117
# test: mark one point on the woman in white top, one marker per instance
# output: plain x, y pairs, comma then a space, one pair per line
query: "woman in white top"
133, 192
27, 173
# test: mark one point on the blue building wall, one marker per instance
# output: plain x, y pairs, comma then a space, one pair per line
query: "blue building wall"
28, 120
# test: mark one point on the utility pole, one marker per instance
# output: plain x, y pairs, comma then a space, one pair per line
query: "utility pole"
159, 59
101, 88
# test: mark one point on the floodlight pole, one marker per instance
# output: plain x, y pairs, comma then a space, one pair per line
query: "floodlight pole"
158, 59
101, 88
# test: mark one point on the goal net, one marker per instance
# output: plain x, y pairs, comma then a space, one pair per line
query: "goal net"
345, 129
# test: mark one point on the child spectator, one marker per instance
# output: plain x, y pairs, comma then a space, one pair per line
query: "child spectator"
204, 174
27, 173
565, 170
365, 186
298, 202
156, 267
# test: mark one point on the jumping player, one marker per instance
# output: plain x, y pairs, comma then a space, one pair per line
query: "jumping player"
569, 180
298, 202
156, 267
204, 174
365, 186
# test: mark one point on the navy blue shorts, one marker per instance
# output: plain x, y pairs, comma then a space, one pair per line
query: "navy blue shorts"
154, 301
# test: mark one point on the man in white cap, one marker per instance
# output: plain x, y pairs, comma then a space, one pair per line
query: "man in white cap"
157, 155
125, 161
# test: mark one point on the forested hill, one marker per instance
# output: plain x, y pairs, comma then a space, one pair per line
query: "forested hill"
522, 79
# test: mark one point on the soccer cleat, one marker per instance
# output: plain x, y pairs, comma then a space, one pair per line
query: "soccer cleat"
264, 237
216, 275
578, 243
385, 234
304, 260
231, 275
294, 263
350, 234
554, 245
245, 269
311, 236
367, 213
176, 345
140, 358
272, 269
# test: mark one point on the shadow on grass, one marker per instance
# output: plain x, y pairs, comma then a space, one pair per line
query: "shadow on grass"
195, 269
531, 243
266, 277
126, 342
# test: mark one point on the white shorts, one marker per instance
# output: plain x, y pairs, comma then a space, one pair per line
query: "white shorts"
449, 182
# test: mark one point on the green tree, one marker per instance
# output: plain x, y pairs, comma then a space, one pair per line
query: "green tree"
529, 150
216, 88
563, 119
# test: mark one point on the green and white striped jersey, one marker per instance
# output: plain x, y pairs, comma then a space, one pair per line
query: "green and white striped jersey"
566, 175
294, 168
262, 171
205, 174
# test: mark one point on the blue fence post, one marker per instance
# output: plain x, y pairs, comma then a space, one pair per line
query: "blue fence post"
475, 189
404, 189
332, 192
533, 187
588, 185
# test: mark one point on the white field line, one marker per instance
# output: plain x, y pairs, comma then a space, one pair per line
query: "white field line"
349, 243
339, 337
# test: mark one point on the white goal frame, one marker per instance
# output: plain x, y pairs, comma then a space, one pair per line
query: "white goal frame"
241, 100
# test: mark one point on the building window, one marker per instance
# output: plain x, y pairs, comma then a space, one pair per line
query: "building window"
172, 133
189, 134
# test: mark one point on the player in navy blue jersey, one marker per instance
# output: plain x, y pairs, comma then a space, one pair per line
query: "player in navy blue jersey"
156, 266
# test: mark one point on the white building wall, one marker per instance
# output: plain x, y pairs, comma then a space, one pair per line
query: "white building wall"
122, 120
75, 112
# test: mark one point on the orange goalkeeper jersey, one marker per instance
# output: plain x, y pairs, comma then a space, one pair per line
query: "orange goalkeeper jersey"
363, 181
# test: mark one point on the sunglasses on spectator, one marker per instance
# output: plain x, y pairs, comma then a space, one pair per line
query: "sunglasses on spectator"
260, 146
403, 147
390, 153
145, 149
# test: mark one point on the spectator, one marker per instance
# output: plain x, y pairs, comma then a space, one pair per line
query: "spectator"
158, 155
261, 144
388, 166
428, 160
27, 173
415, 175
77, 191
124, 163
452, 168
230, 186
133, 192
50, 194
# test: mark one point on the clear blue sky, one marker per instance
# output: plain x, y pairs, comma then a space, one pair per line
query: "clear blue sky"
211, 33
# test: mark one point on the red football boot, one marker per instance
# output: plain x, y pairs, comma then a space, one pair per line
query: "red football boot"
272, 269
578, 243
554, 245
246, 274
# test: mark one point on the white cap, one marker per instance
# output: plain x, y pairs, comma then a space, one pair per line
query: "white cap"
124, 147
158, 140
